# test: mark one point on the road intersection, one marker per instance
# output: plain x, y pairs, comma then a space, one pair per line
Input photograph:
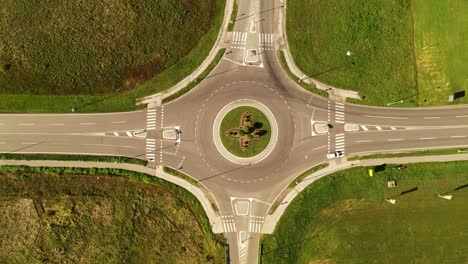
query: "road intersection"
250, 70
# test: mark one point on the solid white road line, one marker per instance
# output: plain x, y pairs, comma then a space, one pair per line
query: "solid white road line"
389, 117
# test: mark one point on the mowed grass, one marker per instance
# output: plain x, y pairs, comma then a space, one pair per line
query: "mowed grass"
59, 215
232, 120
343, 218
161, 44
378, 33
441, 46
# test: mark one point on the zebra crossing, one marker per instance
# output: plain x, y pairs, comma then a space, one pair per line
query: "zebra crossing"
266, 41
255, 226
150, 149
340, 142
151, 118
239, 40
339, 113
229, 224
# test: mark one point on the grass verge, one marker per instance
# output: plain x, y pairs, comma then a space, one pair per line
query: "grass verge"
199, 79
193, 181
343, 218
232, 120
121, 101
297, 180
115, 159
430, 152
309, 87
100, 215
233, 19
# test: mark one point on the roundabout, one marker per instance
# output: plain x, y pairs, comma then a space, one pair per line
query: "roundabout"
245, 131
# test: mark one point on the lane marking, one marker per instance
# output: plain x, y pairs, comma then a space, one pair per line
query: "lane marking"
106, 145
389, 117
85, 124
378, 128
364, 128
426, 138
56, 124
319, 147
26, 124
119, 122
28, 143
432, 117
458, 136
395, 139
462, 116
363, 141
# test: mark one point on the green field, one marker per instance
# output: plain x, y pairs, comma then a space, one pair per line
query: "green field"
441, 45
143, 48
232, 119
70, 215
343, 218
388, 40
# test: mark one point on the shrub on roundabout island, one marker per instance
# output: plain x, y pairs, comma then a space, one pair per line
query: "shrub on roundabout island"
245, 131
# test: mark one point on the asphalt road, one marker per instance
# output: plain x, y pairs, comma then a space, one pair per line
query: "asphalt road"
244, 192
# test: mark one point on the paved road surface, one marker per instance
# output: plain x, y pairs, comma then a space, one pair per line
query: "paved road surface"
244, 192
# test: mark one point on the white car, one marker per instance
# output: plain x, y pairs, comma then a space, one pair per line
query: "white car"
335, 154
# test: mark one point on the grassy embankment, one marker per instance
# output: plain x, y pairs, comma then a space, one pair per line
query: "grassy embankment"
430, 152
295, 182
343, 218
135, 51
100, 215
410, 50
232, 120
115, 159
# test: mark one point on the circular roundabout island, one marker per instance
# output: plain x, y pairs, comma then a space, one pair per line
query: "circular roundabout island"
245, 131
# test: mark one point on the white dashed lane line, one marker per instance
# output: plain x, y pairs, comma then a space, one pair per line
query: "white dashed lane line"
363, 141
56, 124
87, 124
432, 117
458, 136
388, 117
462, 116
119, 122
26, 124
427, 138
395, 139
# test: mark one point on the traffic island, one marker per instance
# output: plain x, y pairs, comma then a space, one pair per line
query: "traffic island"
245, 131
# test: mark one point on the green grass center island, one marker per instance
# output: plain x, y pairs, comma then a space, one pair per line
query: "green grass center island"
245, 131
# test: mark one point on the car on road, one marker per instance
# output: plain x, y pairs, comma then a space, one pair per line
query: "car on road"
335, 154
